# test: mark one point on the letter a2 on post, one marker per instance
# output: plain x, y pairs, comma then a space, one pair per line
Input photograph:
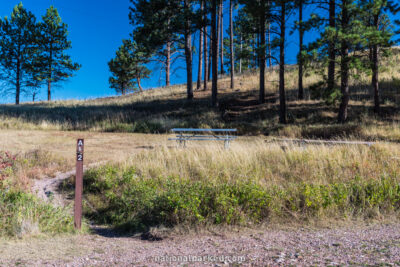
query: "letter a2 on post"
78, 184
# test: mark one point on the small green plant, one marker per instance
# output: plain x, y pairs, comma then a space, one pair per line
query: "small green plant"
7, 163
24, 215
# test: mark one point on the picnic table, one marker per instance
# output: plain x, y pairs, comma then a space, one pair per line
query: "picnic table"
190, 134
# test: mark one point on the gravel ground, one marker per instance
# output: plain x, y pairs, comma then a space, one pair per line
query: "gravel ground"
356, 245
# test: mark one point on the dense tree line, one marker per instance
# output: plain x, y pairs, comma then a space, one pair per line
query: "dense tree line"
32, 53
353, 35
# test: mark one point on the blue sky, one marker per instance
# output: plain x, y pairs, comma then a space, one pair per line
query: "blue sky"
96, 29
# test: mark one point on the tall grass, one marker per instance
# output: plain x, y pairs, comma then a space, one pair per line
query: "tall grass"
249, 184
24, 215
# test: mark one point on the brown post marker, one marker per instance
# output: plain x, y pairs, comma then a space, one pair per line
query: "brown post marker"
78, 185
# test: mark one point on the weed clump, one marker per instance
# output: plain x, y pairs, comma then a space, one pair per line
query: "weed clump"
24, 215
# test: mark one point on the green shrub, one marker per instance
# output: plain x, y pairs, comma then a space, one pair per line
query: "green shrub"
124, 199
22, 214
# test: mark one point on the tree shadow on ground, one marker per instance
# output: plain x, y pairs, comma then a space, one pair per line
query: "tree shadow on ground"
236, 110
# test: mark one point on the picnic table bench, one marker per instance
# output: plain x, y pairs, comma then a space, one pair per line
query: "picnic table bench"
190, 134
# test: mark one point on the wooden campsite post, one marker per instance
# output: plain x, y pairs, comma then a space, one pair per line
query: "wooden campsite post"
78, 185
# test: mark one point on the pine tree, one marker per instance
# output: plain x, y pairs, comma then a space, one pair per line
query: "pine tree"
300, 5
214, 54
159, 22
221, 31
154, 30
128, 68
259, 12
351, 37
282, 10
231, 44
53, 63
17, 50
331, 46
205, 48
345, 45
379, 36
201, 35
244, 27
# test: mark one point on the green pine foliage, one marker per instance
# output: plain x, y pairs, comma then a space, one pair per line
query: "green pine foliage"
128, 68
18, 51
53, 64
358, 34
34, 52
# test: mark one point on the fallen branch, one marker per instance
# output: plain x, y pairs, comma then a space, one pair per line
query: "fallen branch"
320, 142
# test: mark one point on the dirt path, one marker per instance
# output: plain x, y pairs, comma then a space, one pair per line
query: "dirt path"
47, 188
353, 245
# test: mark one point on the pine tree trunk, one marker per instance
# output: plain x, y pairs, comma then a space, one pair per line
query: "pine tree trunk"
205, 38
375, 78
221, 25
262, 56
50, 74
218, 35
331, 48
258, 46
122, 89
18, 83
282, 96
231, 45
200, 68
188, 55
375, 69
254, 51
140, 86
168, 65
214, 54
301, 37
344, 67
269, 45
240, 59
210, 58
49, 89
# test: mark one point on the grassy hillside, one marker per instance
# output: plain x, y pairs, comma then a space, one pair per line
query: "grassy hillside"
158, 110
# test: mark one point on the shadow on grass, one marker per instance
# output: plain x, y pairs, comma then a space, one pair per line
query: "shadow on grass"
239, 110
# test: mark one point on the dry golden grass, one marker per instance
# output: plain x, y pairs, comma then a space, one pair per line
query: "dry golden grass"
98, 146
269, 164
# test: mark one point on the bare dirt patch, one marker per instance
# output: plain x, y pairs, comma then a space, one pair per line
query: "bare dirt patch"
353, 245
47, 188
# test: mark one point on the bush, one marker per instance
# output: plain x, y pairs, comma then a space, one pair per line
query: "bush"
24, 215
124, 199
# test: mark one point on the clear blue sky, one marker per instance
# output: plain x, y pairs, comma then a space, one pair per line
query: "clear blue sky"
96, 29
